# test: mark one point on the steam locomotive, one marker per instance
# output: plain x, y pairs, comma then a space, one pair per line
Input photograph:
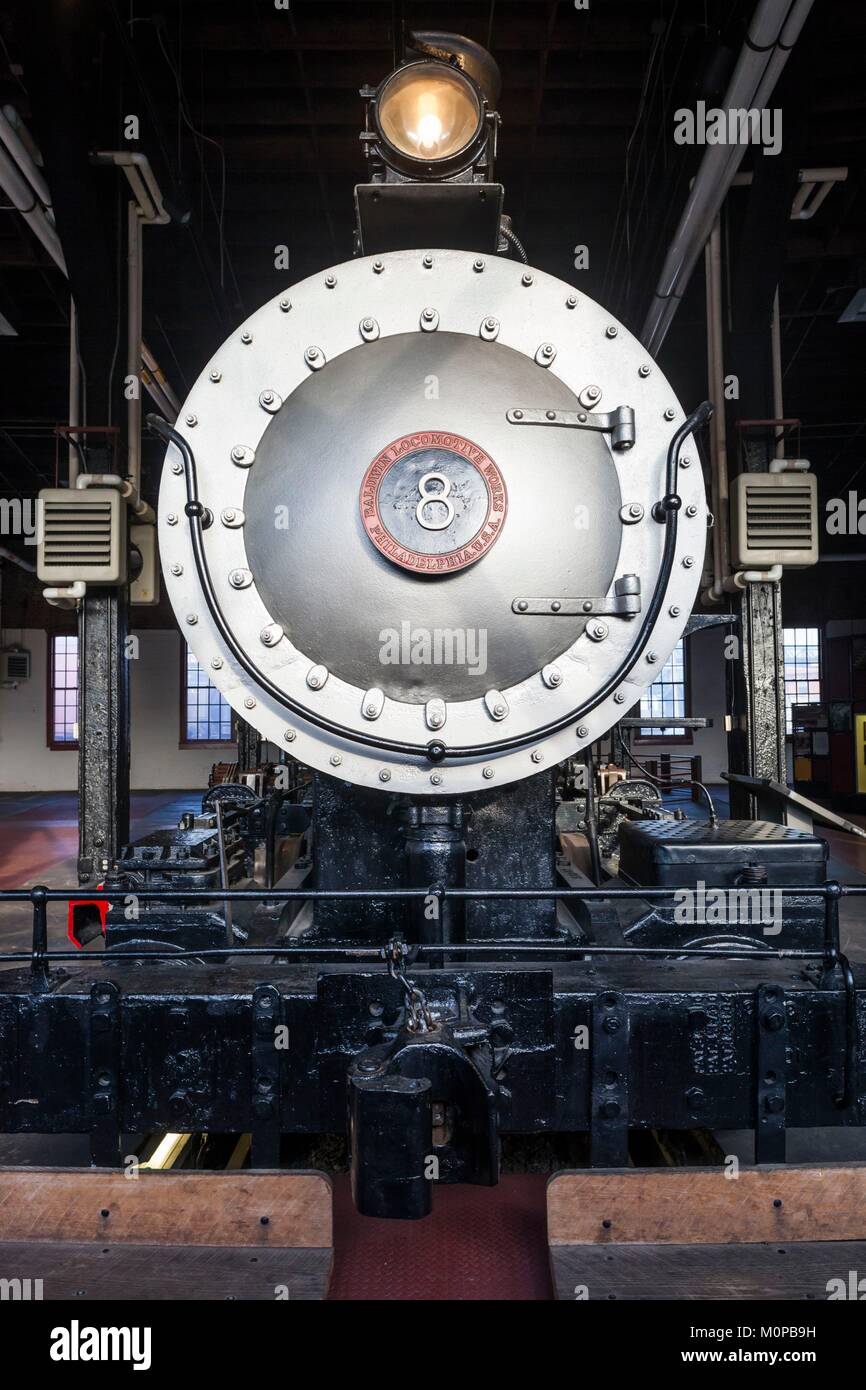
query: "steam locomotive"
431, 521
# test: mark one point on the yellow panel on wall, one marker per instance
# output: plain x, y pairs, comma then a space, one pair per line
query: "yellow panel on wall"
860, 750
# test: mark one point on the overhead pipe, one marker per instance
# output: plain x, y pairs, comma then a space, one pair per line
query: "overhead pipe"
720, 500
25, 199
74, 391
15, 145
141, 509
774, 28
776, 359
133, 340
28, 203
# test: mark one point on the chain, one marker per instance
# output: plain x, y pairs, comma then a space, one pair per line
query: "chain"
419, 1019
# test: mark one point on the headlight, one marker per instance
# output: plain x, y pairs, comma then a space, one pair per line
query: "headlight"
429, 112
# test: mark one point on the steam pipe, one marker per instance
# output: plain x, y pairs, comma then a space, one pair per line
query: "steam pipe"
775, 27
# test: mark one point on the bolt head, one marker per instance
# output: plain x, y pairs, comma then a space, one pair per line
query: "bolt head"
384, 775
550, 414
487, 773
427, 262
215, 375
330, 281
192, 619
216, 662
378, 267
688, 561
478, 265
177, 468
571, 302
670, 413
537, 756
191, 421
526, 278
582, 731
289, 735
285, 305
593, 392
246, 338
249, 702
436, 779
644, 370
635, 510
177, 569
336, 760
611, 330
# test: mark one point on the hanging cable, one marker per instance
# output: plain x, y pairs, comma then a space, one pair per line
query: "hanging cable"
659, 782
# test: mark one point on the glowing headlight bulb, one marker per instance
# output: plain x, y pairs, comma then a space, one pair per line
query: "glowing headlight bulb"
429, 131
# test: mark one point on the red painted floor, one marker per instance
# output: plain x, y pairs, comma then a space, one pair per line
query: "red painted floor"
478, 1243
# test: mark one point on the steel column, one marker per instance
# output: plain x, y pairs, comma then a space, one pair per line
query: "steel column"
103, 730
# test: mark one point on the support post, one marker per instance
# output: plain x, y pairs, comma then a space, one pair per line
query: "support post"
103, 730
249, 747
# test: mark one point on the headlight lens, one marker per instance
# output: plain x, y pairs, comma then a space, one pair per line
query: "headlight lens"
429, 112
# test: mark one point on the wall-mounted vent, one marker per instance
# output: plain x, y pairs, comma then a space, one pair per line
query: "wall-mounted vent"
15, 665
774, 520
83, 536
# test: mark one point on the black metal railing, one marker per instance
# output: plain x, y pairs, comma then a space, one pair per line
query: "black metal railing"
830, 955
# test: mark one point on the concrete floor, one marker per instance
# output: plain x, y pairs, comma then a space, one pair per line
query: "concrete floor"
39, 844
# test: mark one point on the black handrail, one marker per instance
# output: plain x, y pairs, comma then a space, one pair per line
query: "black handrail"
830, 955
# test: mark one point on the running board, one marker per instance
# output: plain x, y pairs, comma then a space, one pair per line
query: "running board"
99, 1234
793, 1231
